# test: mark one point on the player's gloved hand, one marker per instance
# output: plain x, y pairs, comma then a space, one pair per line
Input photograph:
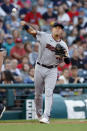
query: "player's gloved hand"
60, 51
25, 25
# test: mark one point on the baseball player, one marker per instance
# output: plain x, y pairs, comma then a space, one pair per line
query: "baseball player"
2, 54
46, 66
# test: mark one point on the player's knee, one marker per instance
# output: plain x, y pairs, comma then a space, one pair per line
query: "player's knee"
48, 93
38, 95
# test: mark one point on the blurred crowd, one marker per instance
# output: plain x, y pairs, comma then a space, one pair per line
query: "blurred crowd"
22, 48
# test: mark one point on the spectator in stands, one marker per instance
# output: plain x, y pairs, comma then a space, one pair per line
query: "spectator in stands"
28, 49
70, 2
81, 26
81, 15
30, 77
13, 23
23, 11
85, 8
20, 3
7, 65
30, 80
2, 91
1, 42
81, 56
31, 73
18, 51
9, 44
62, 66
83, 72
71, 49
72, 36
7, 7
75, 78
6, 60
73, 12
33, 16
63, 17
64, 79
24, 71
15, 71
41, 7
78, 41
25, 60
7, 77
80, 5
2, 55
16, 34
2, 32
75, 60
34, 54
49, 16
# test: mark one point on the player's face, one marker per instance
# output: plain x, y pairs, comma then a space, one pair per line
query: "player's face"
57, 31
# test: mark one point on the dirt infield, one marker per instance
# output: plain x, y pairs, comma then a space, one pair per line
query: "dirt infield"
37, 122
70, 122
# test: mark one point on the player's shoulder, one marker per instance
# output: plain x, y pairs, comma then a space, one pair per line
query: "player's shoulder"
42, 33
62, 41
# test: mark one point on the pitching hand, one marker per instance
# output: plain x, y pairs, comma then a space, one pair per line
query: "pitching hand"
23, 23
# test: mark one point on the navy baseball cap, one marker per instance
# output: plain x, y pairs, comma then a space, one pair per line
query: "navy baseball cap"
58, 24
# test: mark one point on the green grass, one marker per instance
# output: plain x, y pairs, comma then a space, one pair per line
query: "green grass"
56, 125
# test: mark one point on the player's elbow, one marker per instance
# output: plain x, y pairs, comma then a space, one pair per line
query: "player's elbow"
67, 60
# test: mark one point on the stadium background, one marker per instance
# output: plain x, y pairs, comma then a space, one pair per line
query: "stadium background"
22, 52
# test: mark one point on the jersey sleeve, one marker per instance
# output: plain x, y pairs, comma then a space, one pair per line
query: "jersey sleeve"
41, 36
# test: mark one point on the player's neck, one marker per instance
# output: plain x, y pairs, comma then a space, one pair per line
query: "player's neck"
56, 38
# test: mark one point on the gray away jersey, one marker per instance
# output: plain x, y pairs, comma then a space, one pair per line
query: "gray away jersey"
45, 55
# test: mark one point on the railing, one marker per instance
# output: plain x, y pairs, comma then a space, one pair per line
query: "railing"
11, 98
22, 86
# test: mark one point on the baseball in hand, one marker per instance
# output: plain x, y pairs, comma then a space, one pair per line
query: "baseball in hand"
14, 10
23, 23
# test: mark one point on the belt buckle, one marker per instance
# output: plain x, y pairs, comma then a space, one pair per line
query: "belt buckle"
53, 66
40, 64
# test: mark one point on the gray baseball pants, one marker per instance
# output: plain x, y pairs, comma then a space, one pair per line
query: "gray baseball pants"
44, 77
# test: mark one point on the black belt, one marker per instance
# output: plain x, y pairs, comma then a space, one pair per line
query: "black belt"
49, 67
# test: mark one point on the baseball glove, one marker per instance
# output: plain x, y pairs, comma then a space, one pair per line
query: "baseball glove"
60, 51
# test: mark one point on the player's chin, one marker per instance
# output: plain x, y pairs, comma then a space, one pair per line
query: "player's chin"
57, 34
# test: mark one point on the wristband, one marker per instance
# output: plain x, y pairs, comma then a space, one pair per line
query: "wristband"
26, 27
